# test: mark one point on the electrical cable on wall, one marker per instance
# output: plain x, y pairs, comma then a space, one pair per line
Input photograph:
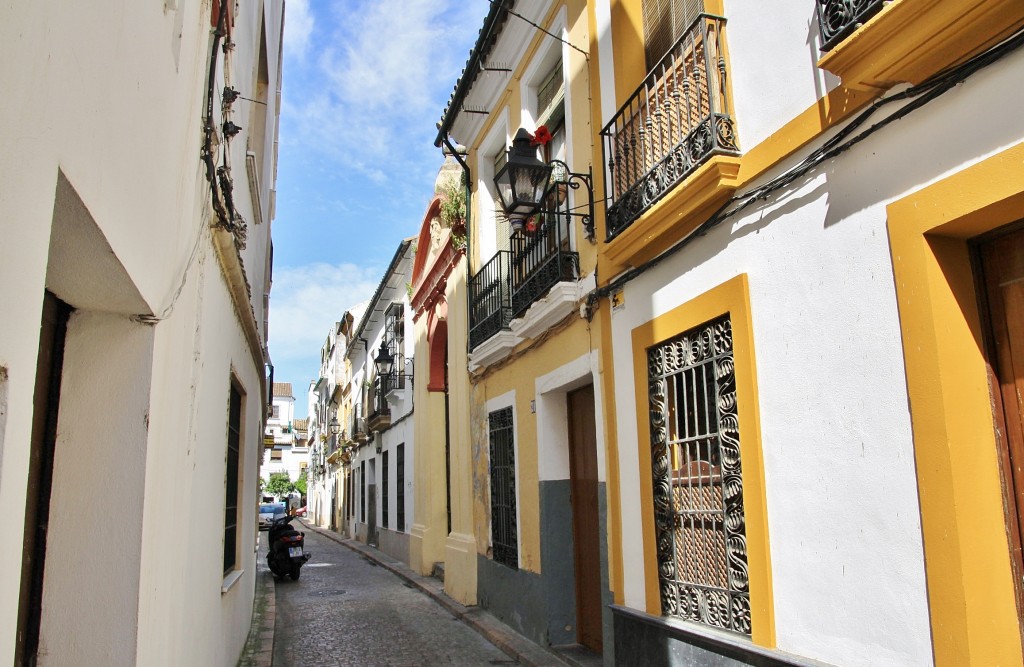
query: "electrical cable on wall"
841, 142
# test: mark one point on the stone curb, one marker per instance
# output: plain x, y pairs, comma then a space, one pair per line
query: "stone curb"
259, 647
510, 642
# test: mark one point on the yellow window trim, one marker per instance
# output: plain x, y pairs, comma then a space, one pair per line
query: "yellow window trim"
967, 554
909, 40
730, 297
675, 216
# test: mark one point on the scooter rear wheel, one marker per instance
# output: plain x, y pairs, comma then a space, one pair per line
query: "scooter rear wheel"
294, 574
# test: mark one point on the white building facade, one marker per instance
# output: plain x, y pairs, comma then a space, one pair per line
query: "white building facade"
378, 442
799, 274
134, 281
289, 452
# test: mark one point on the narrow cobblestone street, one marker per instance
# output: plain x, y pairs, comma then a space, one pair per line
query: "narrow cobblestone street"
348, 610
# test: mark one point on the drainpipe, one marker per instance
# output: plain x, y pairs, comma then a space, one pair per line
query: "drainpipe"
446, 139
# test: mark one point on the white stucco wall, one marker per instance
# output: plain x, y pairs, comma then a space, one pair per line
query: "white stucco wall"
110, 96
847, 563
843, 513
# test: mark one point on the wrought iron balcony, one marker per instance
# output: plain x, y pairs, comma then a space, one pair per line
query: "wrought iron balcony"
396, 379
671, 125
540, 260
490, 308
380, 413
838, 18
357, 428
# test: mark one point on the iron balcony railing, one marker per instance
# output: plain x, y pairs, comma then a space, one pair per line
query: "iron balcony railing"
490, 308
380, 412
380, 403
541, 259
672, 124
837, 19
357, 427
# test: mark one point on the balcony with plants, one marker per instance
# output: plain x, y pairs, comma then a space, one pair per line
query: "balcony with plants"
671, 150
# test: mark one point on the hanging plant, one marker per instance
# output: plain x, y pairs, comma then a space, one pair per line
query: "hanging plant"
453, 202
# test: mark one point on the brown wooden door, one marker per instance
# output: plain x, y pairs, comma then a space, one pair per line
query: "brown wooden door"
585, 519
1002, 269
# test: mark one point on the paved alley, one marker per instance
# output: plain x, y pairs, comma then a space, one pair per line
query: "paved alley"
348, 610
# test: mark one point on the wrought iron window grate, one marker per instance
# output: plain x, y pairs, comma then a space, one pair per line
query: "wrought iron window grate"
699, 521
837, 19
672, 124
384, 490
503, 488
231, 479
400, 487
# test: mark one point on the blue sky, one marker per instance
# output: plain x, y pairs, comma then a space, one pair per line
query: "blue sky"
365, 82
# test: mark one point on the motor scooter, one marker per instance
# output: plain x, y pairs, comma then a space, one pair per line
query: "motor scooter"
285, 553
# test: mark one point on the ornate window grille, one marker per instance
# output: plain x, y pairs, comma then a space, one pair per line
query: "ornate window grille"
837, 19
698, 486
503, 488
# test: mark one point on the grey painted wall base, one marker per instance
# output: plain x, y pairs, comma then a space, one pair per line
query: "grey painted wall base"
651, 641
515, 597
542, 607
394, 544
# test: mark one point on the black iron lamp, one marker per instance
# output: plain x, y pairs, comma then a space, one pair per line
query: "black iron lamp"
334, 425
523, 181
384, 360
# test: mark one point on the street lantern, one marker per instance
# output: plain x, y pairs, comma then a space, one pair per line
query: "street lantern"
334, 425
523, 180
384, 361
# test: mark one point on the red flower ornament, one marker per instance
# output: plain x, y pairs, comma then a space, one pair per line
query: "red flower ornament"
541, 137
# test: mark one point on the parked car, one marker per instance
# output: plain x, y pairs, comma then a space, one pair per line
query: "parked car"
269, 512
301, 511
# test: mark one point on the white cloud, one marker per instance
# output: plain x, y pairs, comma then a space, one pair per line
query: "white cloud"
298, 27
305, 302
380, 70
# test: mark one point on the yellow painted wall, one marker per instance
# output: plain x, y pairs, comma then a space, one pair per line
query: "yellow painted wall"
731, 297
520, 376
574, 339
429, 528
970, 582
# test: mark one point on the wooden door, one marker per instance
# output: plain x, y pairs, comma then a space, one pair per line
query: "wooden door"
1002, 273
585, 518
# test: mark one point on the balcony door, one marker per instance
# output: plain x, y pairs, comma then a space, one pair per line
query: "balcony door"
665, 21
